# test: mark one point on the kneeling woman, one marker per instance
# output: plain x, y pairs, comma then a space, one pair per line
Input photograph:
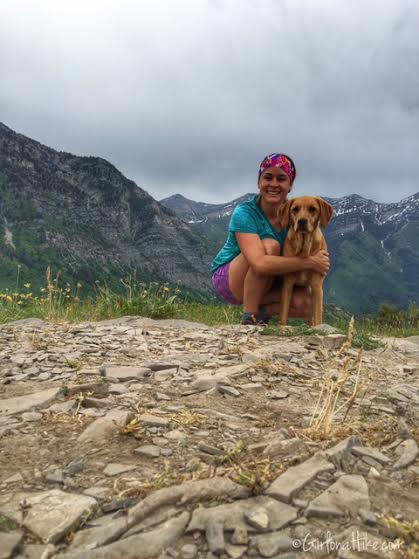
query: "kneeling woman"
247, 269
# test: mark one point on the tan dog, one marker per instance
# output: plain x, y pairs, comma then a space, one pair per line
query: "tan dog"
303, 216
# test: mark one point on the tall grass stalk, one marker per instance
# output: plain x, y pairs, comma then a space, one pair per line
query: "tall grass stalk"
57, 302
338, 370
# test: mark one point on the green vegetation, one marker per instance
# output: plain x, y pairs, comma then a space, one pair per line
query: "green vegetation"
62, 302
6, 525
364, 275
392, 321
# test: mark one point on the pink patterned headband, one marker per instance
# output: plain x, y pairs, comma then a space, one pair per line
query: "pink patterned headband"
278, 160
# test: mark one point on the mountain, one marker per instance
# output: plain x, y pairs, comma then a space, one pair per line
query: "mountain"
374, 247
209, 220
80, 215
375, 253
194, 212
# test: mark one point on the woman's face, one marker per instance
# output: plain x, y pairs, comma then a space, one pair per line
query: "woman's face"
274, 185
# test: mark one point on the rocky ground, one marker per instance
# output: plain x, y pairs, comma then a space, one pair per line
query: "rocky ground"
135, 438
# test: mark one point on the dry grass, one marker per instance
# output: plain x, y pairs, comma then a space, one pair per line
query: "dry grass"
375, 433
63, 417
188, 419
341, 370
40, 343
80, 397
256, 474
73, 364
244, 468
133, 428
124, 488
406, 532
237, 464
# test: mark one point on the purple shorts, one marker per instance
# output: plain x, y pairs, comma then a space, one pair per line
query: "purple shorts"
220, 283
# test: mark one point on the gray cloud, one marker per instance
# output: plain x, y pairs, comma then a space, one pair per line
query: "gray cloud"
189, 96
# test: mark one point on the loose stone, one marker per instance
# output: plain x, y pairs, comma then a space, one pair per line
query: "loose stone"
296, 477
189, 551
229, 390
102, 427
141, 546
31, 416
239, 536
121, 374
50, 514
346, 495
235, 551
270, 544
373, 453
408, 452
116, 469
149, 450
215, 536
12, 406
154, 420
258, 519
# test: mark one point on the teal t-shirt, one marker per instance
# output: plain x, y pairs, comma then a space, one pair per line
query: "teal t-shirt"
246, 218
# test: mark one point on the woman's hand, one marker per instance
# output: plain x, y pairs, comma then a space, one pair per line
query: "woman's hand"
320, 262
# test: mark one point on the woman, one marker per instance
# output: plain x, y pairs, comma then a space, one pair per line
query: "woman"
247, 269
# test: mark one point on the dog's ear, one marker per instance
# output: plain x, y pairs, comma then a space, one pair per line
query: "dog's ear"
284, 214
326, 211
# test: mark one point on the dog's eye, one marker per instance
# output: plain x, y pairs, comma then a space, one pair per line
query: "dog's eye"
312, 209
295, 209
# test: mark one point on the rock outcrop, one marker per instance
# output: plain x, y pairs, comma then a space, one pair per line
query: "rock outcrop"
141, 438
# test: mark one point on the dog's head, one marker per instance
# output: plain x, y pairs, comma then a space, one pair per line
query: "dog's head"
303, 214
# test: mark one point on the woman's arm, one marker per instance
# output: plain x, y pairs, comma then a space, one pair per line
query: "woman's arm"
252, 249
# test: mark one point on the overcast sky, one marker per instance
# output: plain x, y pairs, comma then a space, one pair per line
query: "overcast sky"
187, 96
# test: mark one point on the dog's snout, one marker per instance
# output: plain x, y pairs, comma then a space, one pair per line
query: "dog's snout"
302, 224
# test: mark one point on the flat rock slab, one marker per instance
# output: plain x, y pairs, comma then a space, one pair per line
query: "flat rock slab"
141, 546
330, 341
177, 495
105, 426
347, 495
408, 451
357, 543
50, 514
201, 384
364, 451
97, 535
153, 420
121, 373
334, 341
116, 469
149, 450
9, 543
269, 545
293, 446
341, 449
400, 344
188, 492
11, 406
295, 478
278, 394
237, 514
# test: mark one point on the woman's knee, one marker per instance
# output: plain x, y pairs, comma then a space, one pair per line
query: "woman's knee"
272, 247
